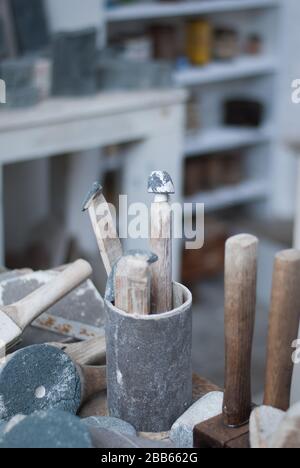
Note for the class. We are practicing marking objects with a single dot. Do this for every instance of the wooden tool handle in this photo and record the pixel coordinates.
(283, 328)
(93, 381)
(109, 244)
(28, 309)
(133, 286)
(161, 245)
(240, 302)
(91, 352)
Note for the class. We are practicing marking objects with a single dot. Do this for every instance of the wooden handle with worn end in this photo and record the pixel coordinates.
(109, 244)
(87, 353)
(240, 303)
(161, 245)
(283, 328)
(133, 285)
(93, 381)
(28, 309)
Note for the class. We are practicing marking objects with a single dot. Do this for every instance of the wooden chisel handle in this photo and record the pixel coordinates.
(240, 303)
(28, 309)
(283, 328)
(93, 381)
(91, 352)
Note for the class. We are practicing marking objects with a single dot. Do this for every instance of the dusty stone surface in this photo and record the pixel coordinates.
(264, 422)
(112, 424)
(287, 435)
(52, 429)
(103, 438)
(206, 408)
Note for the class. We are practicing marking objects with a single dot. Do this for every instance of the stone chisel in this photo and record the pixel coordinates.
(104, 227)
(283, 329)
(161, 185)
(231, 428)
(16, 317)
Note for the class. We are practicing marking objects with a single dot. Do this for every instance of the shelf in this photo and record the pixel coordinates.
(187, 8)
(226, 197)
(225, 139)
(243, 67)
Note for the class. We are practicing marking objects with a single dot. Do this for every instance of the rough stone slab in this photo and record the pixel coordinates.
(206, 408)
(84, 304)
(111, 424)
(264, 422)
(287, 435)
(52, 429)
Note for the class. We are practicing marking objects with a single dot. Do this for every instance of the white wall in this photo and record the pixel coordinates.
(284, 173)
(69, 15)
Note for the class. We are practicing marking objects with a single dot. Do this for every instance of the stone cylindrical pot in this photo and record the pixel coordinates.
(149, 368)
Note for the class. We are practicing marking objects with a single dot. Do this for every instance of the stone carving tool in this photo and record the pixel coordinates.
(283, 329)
(161, 185)
(16, 317)
(42, 377)
(133, 285)
(231, 429)
(104, 228)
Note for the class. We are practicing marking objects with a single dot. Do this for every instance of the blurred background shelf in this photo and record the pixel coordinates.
(240, 68)
(245, 192)
(224, 139)
(165, 10)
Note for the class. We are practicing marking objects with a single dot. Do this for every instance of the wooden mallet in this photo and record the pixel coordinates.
(42, 377)
(104, 227)
(231, 429)
(283, 329)
(16, 317)
(161, 185)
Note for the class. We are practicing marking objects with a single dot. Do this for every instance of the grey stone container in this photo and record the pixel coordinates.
(149, 365)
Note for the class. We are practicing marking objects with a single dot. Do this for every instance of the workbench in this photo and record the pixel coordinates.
(151, 124)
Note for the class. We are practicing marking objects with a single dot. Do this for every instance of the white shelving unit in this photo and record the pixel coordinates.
(253, 75)
(226, 197)
(241, 68)
(225, 139)
(159, 10)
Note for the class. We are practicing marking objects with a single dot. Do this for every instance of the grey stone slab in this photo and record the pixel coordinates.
(112, 424)
(52, 429)
(206, 408)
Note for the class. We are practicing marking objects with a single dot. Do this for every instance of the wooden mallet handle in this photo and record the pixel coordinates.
(28, 309)
(283, 328)
(240, 303)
